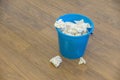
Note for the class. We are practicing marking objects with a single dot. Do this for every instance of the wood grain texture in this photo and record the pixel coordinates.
(28, 40)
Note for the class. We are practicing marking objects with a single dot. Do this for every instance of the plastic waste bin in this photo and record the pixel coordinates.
(73, 47)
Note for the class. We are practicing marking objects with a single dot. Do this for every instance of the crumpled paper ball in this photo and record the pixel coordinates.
(56, 61)
(82, 61)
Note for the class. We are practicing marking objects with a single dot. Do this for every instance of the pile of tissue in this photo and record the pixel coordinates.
(77, 28)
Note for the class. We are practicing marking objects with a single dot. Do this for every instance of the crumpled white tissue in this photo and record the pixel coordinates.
(56, 61)
(82, 61)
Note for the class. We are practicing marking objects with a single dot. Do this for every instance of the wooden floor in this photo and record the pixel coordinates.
(28, 40)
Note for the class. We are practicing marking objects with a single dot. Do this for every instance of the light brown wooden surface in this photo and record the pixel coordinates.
(28, 40)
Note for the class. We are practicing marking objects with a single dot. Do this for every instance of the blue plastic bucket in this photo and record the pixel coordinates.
(73, 47)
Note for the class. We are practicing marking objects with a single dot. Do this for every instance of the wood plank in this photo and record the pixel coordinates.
(28, 40)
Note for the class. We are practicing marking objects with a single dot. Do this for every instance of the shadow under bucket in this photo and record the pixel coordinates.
(73, 47)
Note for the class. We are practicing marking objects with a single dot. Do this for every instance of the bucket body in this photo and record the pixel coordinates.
(73, 47)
